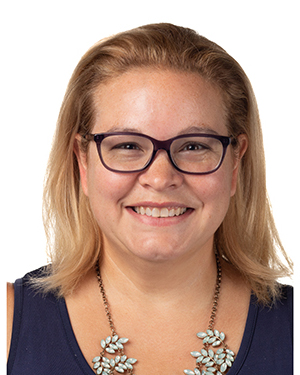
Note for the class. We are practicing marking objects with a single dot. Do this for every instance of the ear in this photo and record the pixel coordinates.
(82, 163)
(238, 154)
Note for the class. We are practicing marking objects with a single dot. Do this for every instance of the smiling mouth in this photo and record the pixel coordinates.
(160, 212)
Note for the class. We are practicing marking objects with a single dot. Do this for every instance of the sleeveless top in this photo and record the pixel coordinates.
(44, 343)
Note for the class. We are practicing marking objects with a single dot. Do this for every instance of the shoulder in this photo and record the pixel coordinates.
(15, 299)
(10, 313)
(287, 293)
(284, 303)
(267, 346)
(32, 315)
(277, 320)
(30, 290)
(286, 296)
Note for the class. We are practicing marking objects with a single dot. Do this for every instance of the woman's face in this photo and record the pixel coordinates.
(161, 104)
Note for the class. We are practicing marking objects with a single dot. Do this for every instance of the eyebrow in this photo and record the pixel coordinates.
(120, 129)
(188, 130)
(198, 129)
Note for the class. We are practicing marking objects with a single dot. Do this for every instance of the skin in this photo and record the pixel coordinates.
(10, 313)
(158, 271)
(162, 105)
(158, 267)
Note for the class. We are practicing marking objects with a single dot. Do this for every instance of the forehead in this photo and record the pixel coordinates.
(158, 101)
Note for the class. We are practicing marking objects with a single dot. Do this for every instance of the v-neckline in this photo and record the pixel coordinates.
(234, 370)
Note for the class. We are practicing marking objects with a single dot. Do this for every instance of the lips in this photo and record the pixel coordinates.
(160, 212)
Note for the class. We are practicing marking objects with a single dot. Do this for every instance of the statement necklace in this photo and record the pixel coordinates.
(208, 362)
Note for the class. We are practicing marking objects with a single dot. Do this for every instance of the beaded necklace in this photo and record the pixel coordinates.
(208, 362)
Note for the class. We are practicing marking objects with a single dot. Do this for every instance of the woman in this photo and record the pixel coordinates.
(163, 257)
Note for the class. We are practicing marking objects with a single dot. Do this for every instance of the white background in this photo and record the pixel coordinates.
(42, 41)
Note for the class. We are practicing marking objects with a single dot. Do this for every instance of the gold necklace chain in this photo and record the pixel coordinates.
(207, 361)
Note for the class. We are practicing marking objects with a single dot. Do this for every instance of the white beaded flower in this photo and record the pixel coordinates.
(121, 364)
(207, 361)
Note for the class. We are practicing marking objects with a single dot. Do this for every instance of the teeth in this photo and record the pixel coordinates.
(157, 212)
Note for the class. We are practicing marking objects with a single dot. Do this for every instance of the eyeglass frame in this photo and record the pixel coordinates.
(160, 145)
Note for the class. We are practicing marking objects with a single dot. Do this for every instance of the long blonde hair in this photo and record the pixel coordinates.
(247, 237)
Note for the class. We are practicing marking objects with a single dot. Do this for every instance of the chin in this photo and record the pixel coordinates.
(159, 253)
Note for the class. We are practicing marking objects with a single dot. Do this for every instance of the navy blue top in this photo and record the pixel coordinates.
(43, 342)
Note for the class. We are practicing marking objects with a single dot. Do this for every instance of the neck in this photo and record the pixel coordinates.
(165, 282)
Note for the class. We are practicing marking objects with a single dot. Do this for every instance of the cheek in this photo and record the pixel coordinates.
(107, 191)
(214, 191)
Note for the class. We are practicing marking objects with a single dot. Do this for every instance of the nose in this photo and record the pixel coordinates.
(161, 174)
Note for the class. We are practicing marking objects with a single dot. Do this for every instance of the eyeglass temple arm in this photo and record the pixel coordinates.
(88, 136)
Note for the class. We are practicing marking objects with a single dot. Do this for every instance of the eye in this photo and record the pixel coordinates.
(194, 146)
(127, 146)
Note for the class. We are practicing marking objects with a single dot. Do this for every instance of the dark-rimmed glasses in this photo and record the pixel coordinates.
(128, 152)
